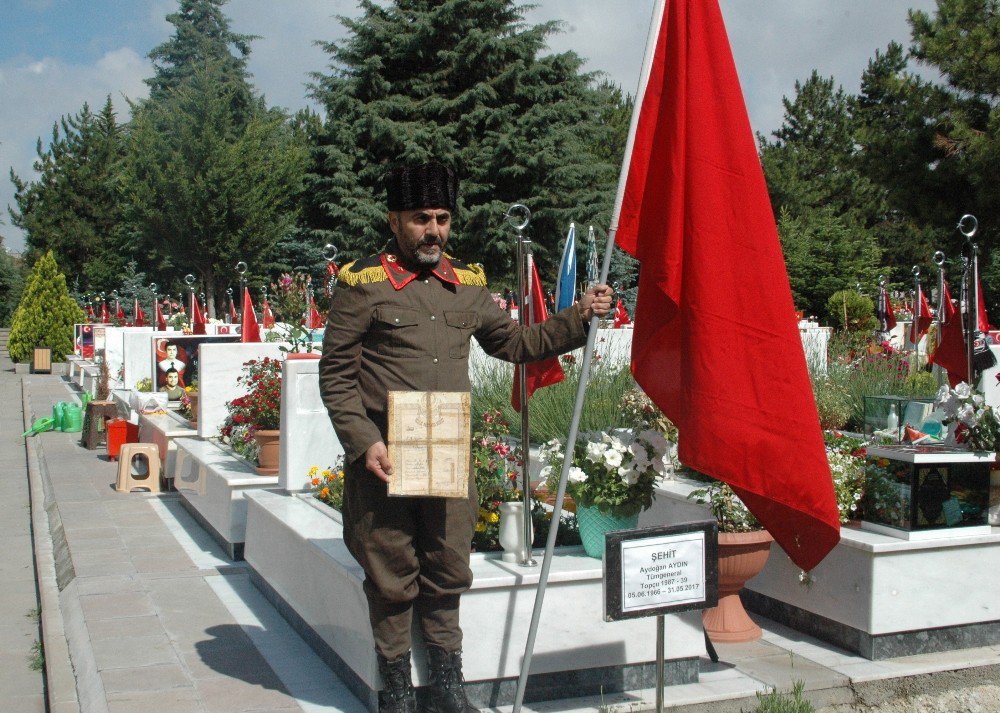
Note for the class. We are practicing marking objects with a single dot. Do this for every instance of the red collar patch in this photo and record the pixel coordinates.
(400, 277)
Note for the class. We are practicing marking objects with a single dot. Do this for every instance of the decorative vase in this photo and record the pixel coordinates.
(193, 398)
(594, 524)
(742, 556)
(511, 534)
(267, 457)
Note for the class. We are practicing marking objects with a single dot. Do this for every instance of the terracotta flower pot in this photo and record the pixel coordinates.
(742, 555)
(268, 455)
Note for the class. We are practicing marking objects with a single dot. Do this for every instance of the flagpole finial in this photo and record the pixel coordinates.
(330, 252)
(939, 258)
(153, 287)
(241, 268)
(968, 225)
(518, 216)
(881, 281)
(916, 271)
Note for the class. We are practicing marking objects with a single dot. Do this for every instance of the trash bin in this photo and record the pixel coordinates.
(41, 362)
(120, 432)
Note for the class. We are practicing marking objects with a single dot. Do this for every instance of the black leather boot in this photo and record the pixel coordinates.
(397, 694)
(445, 694)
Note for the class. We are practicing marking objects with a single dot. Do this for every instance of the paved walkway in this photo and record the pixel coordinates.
(141, 610)
(21, 678)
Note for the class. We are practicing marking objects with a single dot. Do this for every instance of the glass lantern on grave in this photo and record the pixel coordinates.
(919, 488)
(888, 417)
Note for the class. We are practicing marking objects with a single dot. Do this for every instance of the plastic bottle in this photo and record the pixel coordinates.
(57, 416)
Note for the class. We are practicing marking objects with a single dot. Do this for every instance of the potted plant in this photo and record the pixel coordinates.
(189, 402)
(495, 464)
(744, 546)
(328, 485)
(256, 415)
(612, 478)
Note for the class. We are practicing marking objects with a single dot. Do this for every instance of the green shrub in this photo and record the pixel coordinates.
(45, 315)
(853, 311)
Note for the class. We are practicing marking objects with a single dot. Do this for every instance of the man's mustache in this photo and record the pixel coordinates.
(430, 241)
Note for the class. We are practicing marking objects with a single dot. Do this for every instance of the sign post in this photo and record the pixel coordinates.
(659, 570)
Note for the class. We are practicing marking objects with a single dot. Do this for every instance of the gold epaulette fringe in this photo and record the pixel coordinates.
(368, 276)
(471, 275)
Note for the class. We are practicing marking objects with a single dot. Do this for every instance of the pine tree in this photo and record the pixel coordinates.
(208, 188)
(11, 285)
(463, 83)
(73, 208)
(45, 315)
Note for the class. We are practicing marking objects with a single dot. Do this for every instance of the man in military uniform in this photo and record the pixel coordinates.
(401, 320)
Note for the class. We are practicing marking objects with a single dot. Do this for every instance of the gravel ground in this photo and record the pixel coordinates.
(975, 699)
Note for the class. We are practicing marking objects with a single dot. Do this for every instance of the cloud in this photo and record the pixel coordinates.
(38, 91)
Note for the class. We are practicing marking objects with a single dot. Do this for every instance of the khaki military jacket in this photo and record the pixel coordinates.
(390, 329)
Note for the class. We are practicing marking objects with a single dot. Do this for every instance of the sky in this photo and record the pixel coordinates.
(57, 54)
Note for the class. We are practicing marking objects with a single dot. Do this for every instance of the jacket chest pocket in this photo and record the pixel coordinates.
(461, 325)
(397, 332)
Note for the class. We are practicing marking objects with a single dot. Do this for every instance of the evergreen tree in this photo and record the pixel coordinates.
(461, 82)
(206, 187)
(201, 37)
(45, 315)
(73, 207)
(11, 285)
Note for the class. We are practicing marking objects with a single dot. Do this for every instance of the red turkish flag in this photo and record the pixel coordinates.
(884, 311)
(105, 315)
(538, 373)
(922, 317)
(90, 313)
(119, 312)
(233, 317)
(139, 315)
(250, 330)
(693, 208)
(950, 354)
(161, 322)
(316, 320)
(197, 318)
(267, 316)
(621, 315)
(983, 318)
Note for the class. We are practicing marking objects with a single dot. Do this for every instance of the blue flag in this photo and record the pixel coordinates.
(566, 284)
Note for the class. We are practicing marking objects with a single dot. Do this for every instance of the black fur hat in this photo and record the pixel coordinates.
(425, 185)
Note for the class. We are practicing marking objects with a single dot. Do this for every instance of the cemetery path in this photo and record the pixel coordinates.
(21, 677)
(152, 615)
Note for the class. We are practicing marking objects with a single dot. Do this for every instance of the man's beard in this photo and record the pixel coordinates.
(428, 259)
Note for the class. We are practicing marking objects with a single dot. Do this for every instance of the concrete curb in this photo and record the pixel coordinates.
(60, 681)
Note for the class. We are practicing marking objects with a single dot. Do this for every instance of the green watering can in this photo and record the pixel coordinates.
(57, 415)
(72, 419)
(40, 425)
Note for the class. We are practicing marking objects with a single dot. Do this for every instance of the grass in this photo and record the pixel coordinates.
(36, 659)
(552, 407)
(775, 701)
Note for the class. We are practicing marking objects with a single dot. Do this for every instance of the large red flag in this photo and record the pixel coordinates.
(694, 210)
(543, 373)
(950, 353)
(119, 312)
(267, 316)
(105, 315)
(922, 317)
(197, 317)
(139, 316)
(250, 330)
(884, 310)
(161, 322)
(90, 313)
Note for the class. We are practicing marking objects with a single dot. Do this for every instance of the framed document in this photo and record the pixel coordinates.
(429, 434)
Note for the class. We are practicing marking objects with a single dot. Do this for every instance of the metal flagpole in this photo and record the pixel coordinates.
(588, 352)
(967, 226)
(518, 216)
(914, 324)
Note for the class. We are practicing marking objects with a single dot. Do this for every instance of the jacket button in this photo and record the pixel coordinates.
(397, 320)
(435, 360)
(433, 318)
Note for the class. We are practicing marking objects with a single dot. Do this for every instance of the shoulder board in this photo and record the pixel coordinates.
(469, 274)
(365, 271)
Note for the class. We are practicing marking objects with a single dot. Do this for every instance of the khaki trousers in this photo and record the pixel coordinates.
(415, 554)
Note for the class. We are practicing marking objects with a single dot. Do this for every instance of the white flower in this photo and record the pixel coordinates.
(613, 458)
(967, 414)
(576, 475)
(546, 472)
(655, 439)
(963, 391)
(640, 456)
(595, 451)
(629, 476)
